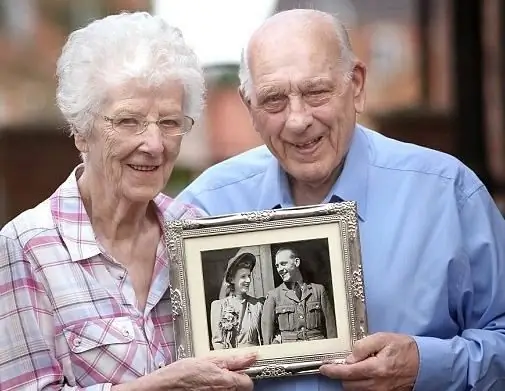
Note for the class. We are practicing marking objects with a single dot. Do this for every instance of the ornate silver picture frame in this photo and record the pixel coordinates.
(285, 283)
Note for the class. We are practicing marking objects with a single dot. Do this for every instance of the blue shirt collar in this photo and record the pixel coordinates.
(351, 185)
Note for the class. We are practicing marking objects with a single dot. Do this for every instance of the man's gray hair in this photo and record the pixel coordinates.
(116, 49)
(347, 56)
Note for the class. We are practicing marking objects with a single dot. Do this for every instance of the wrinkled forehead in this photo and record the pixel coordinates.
(284, 256)
(135, 95)
(294, 61)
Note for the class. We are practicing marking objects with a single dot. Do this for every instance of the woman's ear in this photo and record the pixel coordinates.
(81, 143)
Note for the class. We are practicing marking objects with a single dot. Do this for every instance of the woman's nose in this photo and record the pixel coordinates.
(153, 140)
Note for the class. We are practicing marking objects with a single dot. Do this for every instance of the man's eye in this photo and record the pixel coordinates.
(274, 103)
(316, 92)
(317, 97)
(273, 99)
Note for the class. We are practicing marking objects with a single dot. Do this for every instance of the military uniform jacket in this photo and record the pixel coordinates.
(291, 319)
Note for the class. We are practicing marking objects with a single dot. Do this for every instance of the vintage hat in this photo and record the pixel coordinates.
(242, 259)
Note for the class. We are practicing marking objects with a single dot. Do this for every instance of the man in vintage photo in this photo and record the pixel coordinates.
(431, 236)
(296, 310)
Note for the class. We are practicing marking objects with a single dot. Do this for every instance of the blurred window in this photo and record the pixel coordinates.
(17, 19)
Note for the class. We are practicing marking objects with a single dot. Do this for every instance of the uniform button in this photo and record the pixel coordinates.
(77, 342)
(126, 333)
(301, 316)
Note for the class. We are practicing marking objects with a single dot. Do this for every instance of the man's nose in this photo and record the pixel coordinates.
(299, 116)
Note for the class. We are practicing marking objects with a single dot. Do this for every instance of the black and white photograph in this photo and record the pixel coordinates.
(285, 284)
(269, 294)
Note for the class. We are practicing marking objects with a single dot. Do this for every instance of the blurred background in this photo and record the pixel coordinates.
(436, 77)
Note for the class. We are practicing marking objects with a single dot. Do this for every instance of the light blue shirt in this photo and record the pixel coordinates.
(433, 252)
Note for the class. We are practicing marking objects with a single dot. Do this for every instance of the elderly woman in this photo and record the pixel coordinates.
(236, 316)
(84, 275)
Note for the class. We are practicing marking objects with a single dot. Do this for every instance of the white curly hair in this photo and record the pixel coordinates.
(116, 49)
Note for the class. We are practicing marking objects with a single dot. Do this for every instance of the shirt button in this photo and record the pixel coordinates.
(161, 364)
(126, 333)
(120, 276)
(77, 342)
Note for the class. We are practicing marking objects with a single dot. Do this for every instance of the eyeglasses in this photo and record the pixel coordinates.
(134, 125)
(311, 97)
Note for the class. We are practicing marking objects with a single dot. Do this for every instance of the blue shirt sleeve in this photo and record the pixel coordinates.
(475, 359)
(187, 197)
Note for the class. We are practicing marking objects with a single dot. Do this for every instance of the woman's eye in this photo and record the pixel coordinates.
(127, 121)
(169, 123)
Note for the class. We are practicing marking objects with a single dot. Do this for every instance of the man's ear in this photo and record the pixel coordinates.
(358, 82)
(246, 101)
(297, 262)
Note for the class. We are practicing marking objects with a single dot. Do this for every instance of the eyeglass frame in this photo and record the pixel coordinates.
(145, 123)
(347, 77)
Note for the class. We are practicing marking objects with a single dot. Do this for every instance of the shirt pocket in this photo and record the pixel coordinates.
(314, 315)
(98, 347)
(285, 317)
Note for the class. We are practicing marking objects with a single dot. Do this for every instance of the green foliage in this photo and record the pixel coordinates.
(180, 178)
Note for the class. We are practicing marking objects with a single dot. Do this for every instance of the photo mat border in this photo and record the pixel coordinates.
(343, 213)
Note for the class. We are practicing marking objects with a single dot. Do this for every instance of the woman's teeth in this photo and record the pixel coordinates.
(143, 168)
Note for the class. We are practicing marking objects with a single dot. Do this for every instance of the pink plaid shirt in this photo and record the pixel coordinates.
(68, 319)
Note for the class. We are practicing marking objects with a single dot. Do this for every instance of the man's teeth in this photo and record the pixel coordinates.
(308, 144)
(143, 168)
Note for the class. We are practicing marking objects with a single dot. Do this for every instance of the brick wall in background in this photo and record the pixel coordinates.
(494, 92)
(34, 160)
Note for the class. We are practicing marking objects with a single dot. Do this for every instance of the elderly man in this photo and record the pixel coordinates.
(433, 240)
(296, 310)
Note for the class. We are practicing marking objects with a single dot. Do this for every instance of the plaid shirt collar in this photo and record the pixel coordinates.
(73, 222)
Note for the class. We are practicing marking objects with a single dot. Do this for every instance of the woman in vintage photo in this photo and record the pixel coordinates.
(236, 317)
